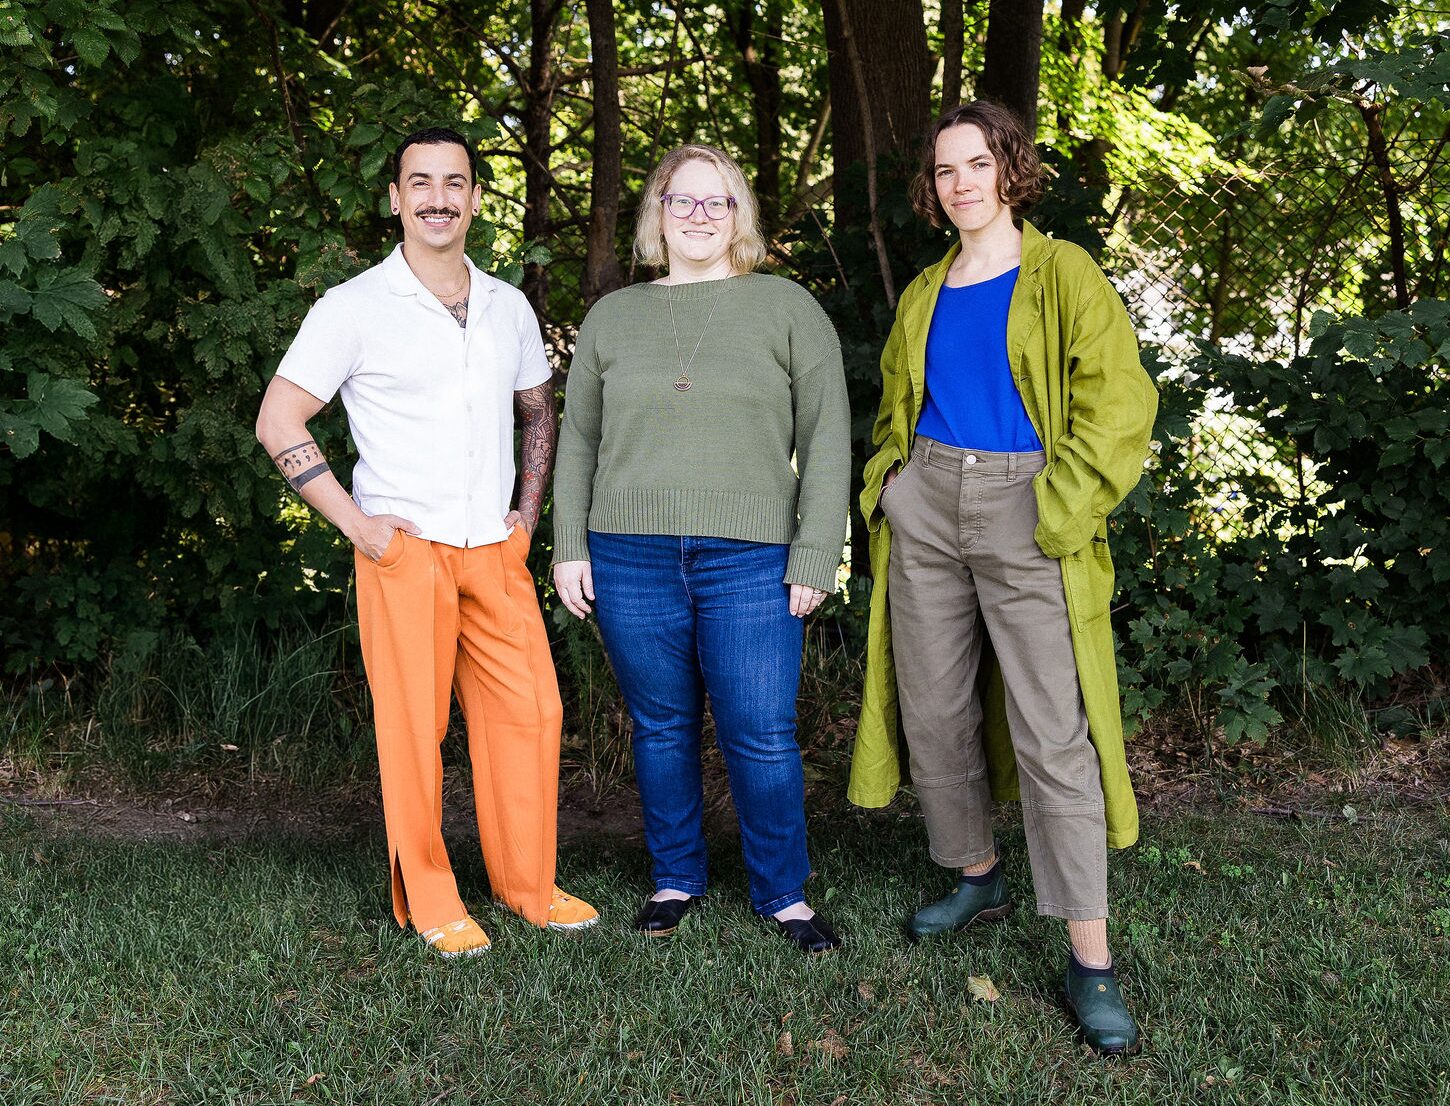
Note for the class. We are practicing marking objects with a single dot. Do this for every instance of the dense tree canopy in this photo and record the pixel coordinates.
(180, 179)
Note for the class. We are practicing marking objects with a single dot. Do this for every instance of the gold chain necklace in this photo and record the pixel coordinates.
(683, 382)
(444, 297)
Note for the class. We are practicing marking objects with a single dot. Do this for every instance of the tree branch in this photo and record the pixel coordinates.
(1380, 154)
(859, 80)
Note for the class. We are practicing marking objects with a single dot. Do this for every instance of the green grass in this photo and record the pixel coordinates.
(1269, 962)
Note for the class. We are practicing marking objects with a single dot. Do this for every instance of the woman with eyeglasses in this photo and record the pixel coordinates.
(680, 516)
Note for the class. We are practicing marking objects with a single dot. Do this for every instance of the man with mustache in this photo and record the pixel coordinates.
(432, 358)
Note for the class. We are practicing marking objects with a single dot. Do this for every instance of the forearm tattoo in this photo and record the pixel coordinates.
(536, 415)
(458, 310)
(301, 463)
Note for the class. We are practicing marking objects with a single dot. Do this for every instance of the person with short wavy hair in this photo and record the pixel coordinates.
(1015, 416)
(700, 507)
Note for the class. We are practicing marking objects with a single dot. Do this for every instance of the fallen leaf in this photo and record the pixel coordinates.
(839, 1100)
(981, 988)
(785, 1044)
(230, 748)
(1195, 865)
(315, 1077)
(832, 1045)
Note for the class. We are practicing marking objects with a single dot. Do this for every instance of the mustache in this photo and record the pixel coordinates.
(453, 211)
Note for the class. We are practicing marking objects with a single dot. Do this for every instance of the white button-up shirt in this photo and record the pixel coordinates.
(429, 403)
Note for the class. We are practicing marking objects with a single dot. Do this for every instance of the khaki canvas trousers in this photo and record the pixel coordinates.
(963, 559)
(436, 620)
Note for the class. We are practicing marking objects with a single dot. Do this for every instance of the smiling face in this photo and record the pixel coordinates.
(966, 177)
(433, 195)
(698, 243)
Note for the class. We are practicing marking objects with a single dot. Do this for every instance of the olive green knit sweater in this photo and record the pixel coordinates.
(637, 455)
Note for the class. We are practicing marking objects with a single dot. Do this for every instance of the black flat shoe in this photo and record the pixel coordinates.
(661, 917)
(810, 935)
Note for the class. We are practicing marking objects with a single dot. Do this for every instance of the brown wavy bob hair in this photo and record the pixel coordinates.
(1019, 169)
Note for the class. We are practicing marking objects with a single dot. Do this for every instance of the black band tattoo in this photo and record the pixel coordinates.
(301, 463)
(311, 474)
(458, 310)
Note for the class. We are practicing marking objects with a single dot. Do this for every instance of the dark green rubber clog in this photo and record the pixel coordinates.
(968, 903)
(1098, 1006)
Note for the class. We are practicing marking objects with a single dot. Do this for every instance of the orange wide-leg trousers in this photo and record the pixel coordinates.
(434, 618)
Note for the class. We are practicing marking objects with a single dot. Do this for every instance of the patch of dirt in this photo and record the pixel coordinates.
(1170, 774)
(200, 808)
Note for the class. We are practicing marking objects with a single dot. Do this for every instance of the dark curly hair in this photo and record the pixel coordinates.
(1019, 169)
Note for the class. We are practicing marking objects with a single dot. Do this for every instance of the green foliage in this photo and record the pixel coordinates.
(1343, 577)
(182, 179)
(171, 228)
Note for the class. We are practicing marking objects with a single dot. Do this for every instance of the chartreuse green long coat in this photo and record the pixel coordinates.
(1075, 360)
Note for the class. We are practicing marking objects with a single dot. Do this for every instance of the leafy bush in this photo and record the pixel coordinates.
(1342, 578)
(172, 228)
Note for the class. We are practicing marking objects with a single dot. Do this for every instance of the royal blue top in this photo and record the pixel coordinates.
(971, 399)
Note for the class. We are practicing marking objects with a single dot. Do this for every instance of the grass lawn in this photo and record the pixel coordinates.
(1269, 962)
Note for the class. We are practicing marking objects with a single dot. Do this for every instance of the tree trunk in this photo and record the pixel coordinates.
(891, 49)
(953, 43)
(1011, 69)
(891, 39)
(538, 180)
(602, 273)
(760, 57)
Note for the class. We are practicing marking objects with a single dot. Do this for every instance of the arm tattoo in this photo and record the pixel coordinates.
(458, 310)
(301, 463)
(535, 410)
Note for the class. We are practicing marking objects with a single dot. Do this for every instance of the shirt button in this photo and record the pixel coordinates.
(971, 458)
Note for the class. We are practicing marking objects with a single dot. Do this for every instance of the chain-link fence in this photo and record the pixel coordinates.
(1244, 259)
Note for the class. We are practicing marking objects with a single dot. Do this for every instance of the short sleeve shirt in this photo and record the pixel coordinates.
(429, 403)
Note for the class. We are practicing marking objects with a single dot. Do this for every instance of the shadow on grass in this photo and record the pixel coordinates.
(1268, 961)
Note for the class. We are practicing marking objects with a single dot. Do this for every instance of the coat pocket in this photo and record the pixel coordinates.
(1090, 582)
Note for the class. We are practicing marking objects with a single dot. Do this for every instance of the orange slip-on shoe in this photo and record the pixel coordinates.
(464, 937)
(567, 912)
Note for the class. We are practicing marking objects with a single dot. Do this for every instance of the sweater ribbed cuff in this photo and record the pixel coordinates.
(571, 543)
(816, 568)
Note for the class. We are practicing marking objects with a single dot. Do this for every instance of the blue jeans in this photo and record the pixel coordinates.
(683, 618)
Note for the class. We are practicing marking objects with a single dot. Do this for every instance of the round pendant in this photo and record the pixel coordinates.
(683, 384)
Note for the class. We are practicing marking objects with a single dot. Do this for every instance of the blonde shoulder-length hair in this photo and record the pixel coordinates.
(747, 247)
